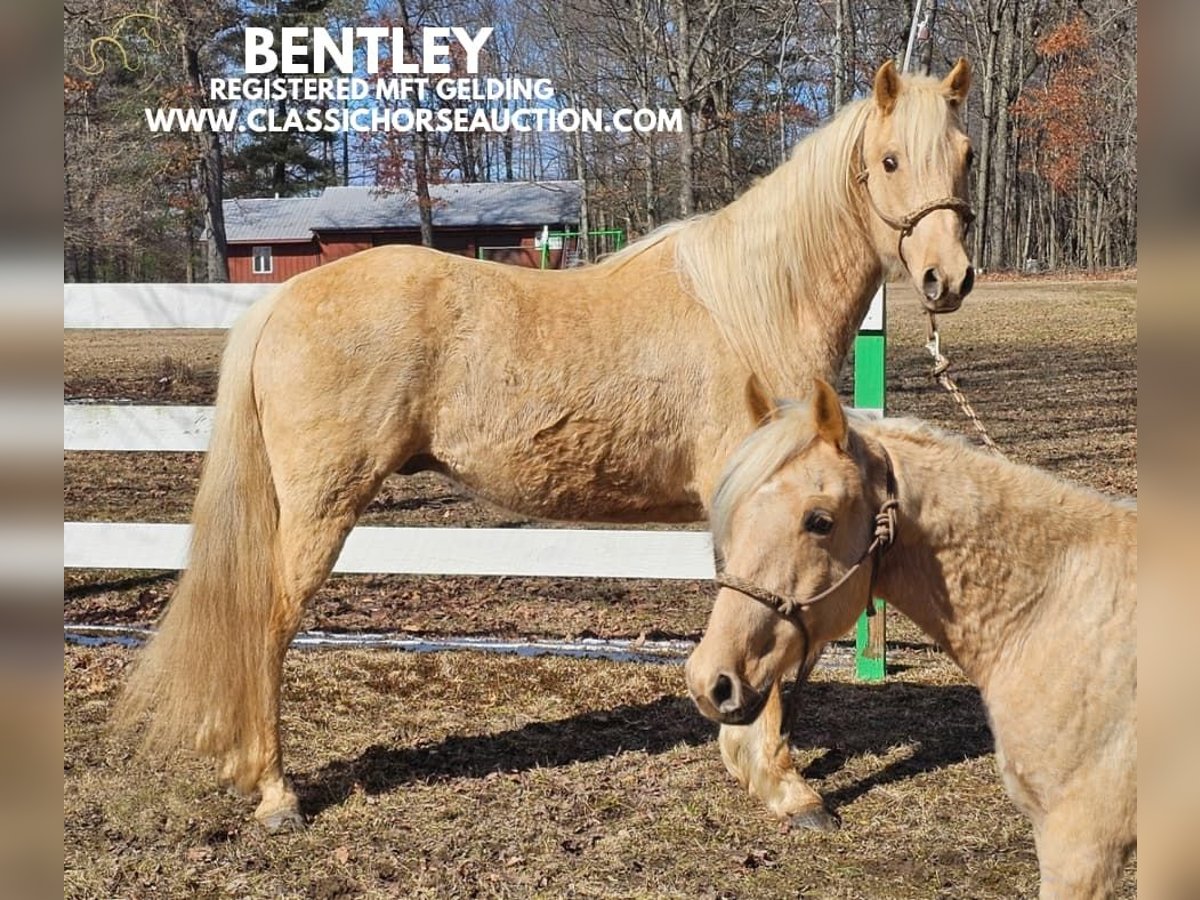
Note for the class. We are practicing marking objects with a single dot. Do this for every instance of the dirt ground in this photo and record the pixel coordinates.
(461, 774)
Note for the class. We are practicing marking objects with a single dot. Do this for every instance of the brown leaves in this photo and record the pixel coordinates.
(1072, 36)
(1064, 118)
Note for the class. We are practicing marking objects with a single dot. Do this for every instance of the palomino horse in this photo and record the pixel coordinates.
(608, 393)
(1028, 582)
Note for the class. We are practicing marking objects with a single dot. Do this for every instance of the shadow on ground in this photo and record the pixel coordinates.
(945, 724)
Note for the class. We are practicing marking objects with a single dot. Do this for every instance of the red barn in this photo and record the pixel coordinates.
(273, 239)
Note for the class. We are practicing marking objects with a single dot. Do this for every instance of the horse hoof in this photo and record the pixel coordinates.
(283, 821)
(817, 819)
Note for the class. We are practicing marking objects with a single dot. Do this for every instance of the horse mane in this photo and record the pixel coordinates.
(648, 241)
(767, 450)
(771, 447)
(753, 264)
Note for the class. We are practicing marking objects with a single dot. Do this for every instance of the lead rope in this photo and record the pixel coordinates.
(940, 370)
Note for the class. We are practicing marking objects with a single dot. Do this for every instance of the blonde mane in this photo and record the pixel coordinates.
(767, 450)
(753, 264)
(771, 447)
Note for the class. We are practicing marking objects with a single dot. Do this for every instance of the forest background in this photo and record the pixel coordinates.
(1052, 115)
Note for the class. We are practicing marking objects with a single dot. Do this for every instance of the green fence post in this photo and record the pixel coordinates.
(870, 393)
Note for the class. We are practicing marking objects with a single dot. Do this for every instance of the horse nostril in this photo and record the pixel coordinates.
(968, 282)
(931, 284)
(722, 690)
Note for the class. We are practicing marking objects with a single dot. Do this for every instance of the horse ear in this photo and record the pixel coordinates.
(762, 409)
(829, 417)
(958, 82)
(887, 87)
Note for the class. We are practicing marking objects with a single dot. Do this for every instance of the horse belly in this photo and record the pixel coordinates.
(576, 468)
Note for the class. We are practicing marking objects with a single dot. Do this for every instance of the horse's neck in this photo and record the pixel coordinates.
(977, 544)
(788, 245)
(830, 309)
(831, 289)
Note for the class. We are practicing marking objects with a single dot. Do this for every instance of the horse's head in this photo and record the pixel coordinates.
(791, 518)
(912, 168)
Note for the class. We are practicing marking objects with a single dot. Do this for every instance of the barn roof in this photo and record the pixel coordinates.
(275, 219)
(370, 209)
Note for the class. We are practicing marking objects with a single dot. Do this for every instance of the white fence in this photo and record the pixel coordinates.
(157, 305)
(555, 552)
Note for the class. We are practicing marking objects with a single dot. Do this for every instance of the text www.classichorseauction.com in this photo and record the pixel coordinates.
(369, 96)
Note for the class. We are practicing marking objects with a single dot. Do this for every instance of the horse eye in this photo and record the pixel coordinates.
(818, 522)
(890, 164)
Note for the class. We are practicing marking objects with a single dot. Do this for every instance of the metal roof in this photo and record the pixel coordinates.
(367, 208)
(276, 219)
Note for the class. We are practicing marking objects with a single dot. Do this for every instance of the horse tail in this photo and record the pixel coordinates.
(200, 679)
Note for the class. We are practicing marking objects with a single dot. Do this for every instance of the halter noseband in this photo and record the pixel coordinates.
(884, 536)
(791, 607)
(906, 223)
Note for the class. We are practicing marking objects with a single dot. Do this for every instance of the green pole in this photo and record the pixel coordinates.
(870, 390)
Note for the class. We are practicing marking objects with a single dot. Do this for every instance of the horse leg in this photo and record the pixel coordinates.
(759, 757)
(1079, 854)
(317, 510)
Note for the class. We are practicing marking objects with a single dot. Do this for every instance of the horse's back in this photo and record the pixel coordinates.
(388, 283)
(399, 303)
(573, 394)
(374, 285)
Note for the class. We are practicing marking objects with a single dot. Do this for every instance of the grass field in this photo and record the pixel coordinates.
(460, 774)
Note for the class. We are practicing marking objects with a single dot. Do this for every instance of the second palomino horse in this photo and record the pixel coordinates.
(1028, 582)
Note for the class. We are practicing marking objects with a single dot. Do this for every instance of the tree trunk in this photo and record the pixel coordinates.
(585, 246)
(840, 94)
(983, 179)
(279, 167)
(583, 243)
(210, 176)
(649, 161)
(687, 177)
(421, 142)
(345, 159)
(683, 89)
(998, 220)
(926, 57)
(723, 111)
(421, 176)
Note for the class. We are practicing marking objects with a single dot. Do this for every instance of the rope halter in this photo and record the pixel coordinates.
(884, 535)
(907, 222)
